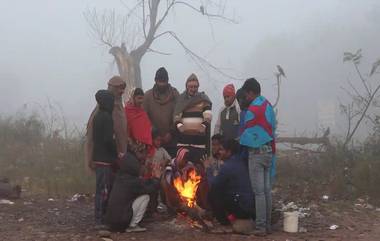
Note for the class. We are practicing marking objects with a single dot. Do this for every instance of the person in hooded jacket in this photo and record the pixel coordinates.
(104, 151)
(130, 194)
(116, 86)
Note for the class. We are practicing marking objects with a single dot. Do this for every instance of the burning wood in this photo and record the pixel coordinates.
(187, 189)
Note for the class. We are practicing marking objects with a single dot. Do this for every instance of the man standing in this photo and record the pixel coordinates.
(258, 135)
(229, 115)
(104, 152)
(159, 103)
(192, 116)
(116, 86)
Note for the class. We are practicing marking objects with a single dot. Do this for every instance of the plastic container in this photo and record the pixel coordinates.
(291, 222)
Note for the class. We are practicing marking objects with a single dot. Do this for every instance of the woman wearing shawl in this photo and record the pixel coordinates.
(139, 125)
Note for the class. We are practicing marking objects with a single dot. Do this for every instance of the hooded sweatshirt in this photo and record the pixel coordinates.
(126, 188)
(119, 122)
(104, 150)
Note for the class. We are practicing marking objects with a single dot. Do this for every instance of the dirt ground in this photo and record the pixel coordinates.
(38, 218)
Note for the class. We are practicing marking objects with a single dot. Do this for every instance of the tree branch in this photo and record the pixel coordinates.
(198, 59)
(363, 114)
(205, 13)
(362, 79)
(157, 52)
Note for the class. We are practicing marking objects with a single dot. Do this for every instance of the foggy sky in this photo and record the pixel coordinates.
(46, 52)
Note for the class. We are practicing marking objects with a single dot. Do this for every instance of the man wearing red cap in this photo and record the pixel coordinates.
(229, 115)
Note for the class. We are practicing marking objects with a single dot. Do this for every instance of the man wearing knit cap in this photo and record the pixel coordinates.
(229, 115)
(192, 116)
(159, 103)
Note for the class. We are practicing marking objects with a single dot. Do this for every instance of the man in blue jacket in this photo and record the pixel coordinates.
(259, 137)
(231, 195)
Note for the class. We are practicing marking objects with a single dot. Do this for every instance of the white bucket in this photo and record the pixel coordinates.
(291, 222)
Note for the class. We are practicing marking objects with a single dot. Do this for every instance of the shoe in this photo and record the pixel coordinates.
(259, 232)
(221, 229)
(135, 229)
(99, 227)
(161, 208)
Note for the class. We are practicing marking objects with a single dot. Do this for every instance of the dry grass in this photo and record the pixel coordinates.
(341, 174)
(42, 156)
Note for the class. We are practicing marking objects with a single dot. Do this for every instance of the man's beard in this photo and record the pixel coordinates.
(162, 89)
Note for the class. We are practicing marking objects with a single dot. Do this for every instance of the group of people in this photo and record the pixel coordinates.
(139, 147)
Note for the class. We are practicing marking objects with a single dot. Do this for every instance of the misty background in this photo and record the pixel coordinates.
(47, 53)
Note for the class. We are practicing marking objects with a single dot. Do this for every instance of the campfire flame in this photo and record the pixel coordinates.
(188, 189)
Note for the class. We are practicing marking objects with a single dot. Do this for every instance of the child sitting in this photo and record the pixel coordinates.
(157, 162)
(153, 169)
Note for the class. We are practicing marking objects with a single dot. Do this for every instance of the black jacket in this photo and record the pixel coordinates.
(103, 134)
(126, 188)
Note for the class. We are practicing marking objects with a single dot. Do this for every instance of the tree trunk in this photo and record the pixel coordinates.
(128, 67)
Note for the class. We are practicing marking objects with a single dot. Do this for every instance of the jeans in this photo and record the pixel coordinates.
(104, 181)
(259, 165)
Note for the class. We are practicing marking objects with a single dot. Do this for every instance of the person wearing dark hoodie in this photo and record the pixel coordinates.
(116, 85)
(231, 195)
(130, 194)
(104, 152)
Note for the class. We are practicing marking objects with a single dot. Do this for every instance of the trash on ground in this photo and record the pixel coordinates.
(5, 201)
(77, 197)
(302, 230)
(302, 212)
(334, 227)
(107, 239)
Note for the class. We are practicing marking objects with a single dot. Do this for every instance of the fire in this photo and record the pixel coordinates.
(188, 189)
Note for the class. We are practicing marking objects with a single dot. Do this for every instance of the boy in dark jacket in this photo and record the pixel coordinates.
(104, 151)
(130, 194)
(231, 194)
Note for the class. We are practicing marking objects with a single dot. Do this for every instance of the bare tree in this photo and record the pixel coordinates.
(143, 25)
(362, 98)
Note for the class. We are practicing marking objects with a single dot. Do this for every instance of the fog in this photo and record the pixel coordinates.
(46, 52)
